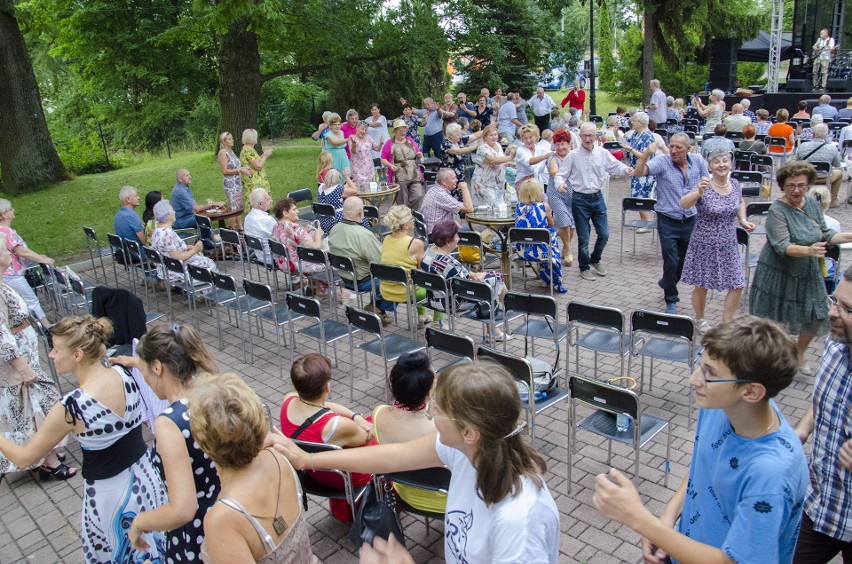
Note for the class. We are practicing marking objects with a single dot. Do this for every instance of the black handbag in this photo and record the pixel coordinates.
(376, 518)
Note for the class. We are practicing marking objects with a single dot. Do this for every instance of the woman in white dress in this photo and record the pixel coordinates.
(489, 173)
(377, 129)
(531, 156)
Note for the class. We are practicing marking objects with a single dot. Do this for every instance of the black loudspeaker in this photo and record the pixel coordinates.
(839, 85)
(723, 63)
(797, 85)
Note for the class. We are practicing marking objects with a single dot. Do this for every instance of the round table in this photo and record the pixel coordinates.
(382, 197)
(501, 226)
(221, 214)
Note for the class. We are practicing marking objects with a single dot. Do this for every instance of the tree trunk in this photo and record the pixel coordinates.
(648, 50)
(239, 82)
(28, 159)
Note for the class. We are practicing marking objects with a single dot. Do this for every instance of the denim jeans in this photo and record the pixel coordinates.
(674, 240)
(588, 208)
(433, 142)
(366, 286)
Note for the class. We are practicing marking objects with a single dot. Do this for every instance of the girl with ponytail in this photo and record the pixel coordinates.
(498, 507)
(104, 413)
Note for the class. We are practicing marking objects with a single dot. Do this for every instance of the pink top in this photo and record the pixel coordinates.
(386, 154)
(13, 240)
(348, 131)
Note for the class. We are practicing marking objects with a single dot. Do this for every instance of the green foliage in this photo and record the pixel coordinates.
(604, 48)
(287, 107)
(749, 73)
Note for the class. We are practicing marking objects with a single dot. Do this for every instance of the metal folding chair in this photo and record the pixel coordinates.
(523, 236)
(96, 251)
(645, 205)
(606, 333)
(460, 346)
(323, 330)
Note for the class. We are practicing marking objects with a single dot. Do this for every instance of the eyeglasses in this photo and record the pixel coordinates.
(431, 408)
(796, 186)
(705, 381)
(832, 301)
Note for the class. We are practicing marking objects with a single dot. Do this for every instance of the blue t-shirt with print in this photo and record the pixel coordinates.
(745, 495)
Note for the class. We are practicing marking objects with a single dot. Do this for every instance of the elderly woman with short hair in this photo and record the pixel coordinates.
(250, 159)
(807, 133)
(531, 156)
(454, 155)
(167, 242)
(636, 142)
(21, 255)
(713, 112)
(782, 129)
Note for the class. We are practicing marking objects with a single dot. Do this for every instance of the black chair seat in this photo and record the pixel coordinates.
(666, 349)
(311, 486)
(603, 423)
(333, 330)
(540, 328)
(603, 341)
(553, 396)
(395, 345)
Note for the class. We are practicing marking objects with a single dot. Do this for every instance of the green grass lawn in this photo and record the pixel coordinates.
(51, 220)
(604, 101)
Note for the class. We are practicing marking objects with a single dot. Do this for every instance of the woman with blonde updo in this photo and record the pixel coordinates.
(534, 213)
(104, 413)
(170, 356)
(257, 517)
(401, 248)
(255, 164)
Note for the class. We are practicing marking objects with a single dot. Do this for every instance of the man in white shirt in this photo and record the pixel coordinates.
(258, 222)
(657, 108)
(822, 51)
(507, 119)
(542, 105)
(737, 120)
(586, 169)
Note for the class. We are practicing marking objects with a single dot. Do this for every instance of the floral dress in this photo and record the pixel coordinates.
(455, 163)
(232, 183)
(640, 186)
(488, 180)
(291, 235)
(22, 401)
(413, 123)
(111, 504)
(484, 116)
(184, 543)
(713, 257)
(165, 240)
(362, 159)
(257, 180)
(534, 216)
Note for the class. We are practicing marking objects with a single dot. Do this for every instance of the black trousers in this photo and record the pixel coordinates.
(817, 548)
(542, 122)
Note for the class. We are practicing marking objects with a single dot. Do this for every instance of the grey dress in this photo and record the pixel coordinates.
(790, 290)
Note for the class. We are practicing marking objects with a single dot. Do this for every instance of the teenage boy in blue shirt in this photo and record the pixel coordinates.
(742, 500)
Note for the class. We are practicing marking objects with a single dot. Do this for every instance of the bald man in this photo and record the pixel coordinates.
(183, 202)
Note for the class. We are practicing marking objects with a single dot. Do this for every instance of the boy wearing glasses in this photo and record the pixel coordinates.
(742, 500)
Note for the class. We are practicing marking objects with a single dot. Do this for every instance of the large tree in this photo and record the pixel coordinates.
(28, 159)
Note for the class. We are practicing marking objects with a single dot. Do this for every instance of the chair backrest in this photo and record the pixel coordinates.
(173, 265)
(314, 256)
(734, 135)
(372, 212)
(434, 283)
(776, 142)
(134, 249)
(664, 133)
(342, 264)
(308, 307)
(612, 145)
(200, 273)
(747, 176)
(364, 320)
(450, 343)
(520, 368)
(254, 243)
(230, 237)
(662, 324)
(77, 286)
(430, 479)
(822, 167)
(603, 396)
(203, 221)
(154, 255)
(836, 125)
(689, 121)
(323, 210)
(757, 208)
(258, 291)
(278, 250)
(224, 282)
(116, 244)
(471, 290)
(302, 195)
(420, 230)
(59, 276)
(638, 204)
(691, 132)
(418, 216)
(471, 239)
(599, 316)
(522, 235)
(531, 304)
(388, 273)
(596, 119)
(760, 160)
(90, 234)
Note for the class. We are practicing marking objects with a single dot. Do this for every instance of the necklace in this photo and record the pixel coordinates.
(771, 423)
(278, 522)
(311, 404)
(719, 186)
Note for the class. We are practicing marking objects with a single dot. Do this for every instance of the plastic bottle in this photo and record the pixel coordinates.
(622, 423)
(503, 206)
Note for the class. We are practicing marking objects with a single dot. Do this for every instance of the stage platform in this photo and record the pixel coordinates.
(789, 100)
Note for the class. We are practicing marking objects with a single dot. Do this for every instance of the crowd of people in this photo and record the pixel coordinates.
(221, 483)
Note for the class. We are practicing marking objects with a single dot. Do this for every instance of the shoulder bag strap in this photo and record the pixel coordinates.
(309, 421)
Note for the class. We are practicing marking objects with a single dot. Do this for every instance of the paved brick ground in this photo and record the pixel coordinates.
(40, 522)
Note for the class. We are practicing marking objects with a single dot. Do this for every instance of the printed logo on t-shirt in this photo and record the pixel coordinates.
(763, 507)
(734, 462)
(458, 523)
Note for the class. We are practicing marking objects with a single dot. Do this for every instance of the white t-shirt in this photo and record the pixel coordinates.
(523, 528)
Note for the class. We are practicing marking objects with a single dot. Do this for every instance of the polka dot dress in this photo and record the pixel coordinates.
(184, 544)
(111, 504)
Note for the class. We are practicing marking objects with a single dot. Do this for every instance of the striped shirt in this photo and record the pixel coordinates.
(829, 499)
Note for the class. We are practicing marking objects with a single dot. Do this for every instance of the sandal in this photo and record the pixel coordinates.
(60, 472)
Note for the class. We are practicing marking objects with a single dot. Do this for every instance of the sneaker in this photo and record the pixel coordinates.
(499, 336)
(568, 260)
(702, 325)
(671, 308)
(587, 275)
(642, 230)
(598, 268)
(424, 320)
(834, 204)
(806, 369)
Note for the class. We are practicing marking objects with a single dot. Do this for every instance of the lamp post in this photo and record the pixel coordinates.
(592, 105)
